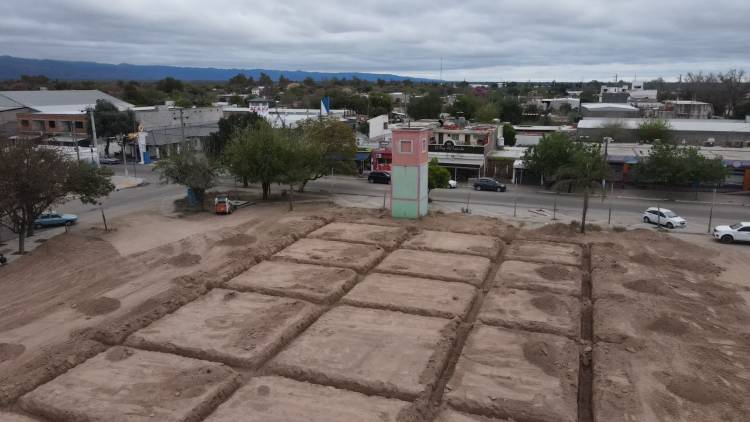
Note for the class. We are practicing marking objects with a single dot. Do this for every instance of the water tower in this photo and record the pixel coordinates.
(409, 172)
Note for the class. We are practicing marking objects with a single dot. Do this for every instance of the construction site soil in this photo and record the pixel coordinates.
(330, 314)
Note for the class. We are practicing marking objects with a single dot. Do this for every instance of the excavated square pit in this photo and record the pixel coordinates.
(561, 279)
(449, 415)
(387, 237)
(277, 399)
(134, 385)
(338, 254)
(14, 417)
(545, 252)
(438, 266)
(515, 374)
(455, 243)
(314, 283)
(375, 351)
(242, 329)
(532, 311)
(412, 295)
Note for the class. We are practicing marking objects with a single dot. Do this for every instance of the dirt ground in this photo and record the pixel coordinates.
(335, 314)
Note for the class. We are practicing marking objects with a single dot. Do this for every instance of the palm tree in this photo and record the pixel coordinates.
(586, 169)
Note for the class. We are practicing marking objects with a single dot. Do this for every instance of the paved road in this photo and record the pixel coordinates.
(531, 197)
(626, 210)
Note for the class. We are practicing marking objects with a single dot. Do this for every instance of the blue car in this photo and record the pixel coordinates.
(55, 219)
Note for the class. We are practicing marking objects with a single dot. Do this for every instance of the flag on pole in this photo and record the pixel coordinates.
(325, 106)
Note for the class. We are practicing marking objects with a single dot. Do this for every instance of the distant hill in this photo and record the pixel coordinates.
(14, 67)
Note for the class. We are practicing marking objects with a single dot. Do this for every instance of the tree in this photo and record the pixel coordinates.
(265, 80)
(553, 152)
(509, 135)
(239, 81)
(673, 165)
(614, 130)
(585, 169)
(487, 113)
(380, 103)
(237, 100)
(190, 169)
(169, 85)
(34, 178)
(218, 141)
(330, 146)
(111, 122)
(257, 154)
(426, 107)
(655, 129)
(510, 111)
(437, 176)
(466, 106)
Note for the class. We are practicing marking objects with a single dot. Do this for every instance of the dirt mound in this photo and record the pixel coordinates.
(10, 351)
(541, 354)
(669, 325)
(98, 306)
(240, 239)
(184, 260)
(554, 272)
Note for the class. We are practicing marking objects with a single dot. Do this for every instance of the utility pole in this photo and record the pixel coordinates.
(182, 126)
(73, 137)
(93, 137)
(711, 212)
(124, 157)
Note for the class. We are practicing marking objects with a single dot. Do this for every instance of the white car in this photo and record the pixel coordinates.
(663, 217)
(734, 233)
(452, 184)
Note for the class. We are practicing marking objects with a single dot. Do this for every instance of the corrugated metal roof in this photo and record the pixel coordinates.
(685, 125)
(614, 106)
(37, 99)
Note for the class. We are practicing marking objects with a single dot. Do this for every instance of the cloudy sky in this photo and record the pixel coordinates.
(493, 40)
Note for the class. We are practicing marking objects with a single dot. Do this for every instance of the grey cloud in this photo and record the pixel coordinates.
(476, 39)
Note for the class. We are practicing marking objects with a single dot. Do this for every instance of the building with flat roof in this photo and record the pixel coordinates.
(718, 132)
(54, 117)
(608, 110)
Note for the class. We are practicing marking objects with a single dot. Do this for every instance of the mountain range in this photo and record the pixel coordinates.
(14, 67)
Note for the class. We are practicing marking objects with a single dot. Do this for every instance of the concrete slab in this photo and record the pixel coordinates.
(532, 311)
(387, 237)
(523, 376)
(545, 252)
(338, 254)
(455, 243)
(242, 329)
(124, 384)
(561, 279)
(449, 415)
(277, 399)
(370, 350)
(314, 283)
(412, 295)
(14, 417)
(438, 266)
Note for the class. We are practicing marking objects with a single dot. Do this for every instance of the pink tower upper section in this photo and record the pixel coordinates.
(409, 146)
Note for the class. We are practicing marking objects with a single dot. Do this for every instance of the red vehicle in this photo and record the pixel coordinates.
(223, 205)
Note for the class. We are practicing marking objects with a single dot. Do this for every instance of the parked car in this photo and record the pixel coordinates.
(109, 160)
(664, 217)
(739, 232)
(223, 205)
(379, 177)
(486, 183)
(452, 184)
(55, 219)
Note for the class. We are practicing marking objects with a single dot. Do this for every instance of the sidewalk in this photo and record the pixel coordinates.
(737, 199)
(126, 182)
